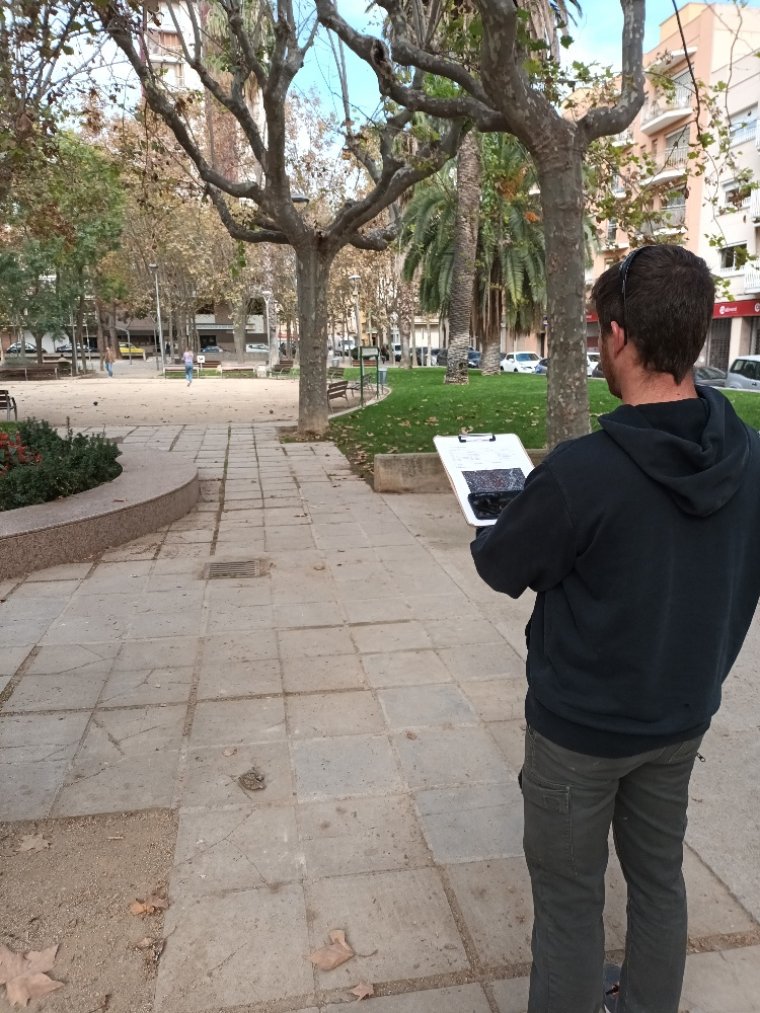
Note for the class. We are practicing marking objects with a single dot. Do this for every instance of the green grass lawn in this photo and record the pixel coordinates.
(421, 406)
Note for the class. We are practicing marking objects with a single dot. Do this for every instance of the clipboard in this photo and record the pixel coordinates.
(486, 471)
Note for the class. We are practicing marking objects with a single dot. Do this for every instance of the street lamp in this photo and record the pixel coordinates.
(266, 295)
(355, 279)
(154, 269)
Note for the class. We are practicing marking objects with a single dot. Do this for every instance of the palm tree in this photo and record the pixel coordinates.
(508, 264)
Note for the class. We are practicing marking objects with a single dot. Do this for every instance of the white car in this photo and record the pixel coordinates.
(257, 347)
(519, 362)
(592, 361)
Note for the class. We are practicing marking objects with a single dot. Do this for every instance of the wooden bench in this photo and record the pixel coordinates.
(282, 368)
(335, 372)
(47, 372)
(338, 388)
(9, 404)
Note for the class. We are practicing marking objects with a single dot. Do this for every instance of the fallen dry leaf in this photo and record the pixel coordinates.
(23, 974)
(411, 735)
(327, 958)
(363, 990)
(230, 751)
(30, 986)
(32, 842)
(149, 906)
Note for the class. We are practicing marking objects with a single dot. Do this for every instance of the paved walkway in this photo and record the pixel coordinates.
(360, 666)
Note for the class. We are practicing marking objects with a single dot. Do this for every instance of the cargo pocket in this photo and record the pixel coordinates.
(547, 837)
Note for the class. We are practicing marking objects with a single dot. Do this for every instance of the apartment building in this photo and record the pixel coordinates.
(715, 214)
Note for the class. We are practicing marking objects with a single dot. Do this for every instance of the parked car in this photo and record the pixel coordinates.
(257, 347)
(211, 350)
(473, 357)
(542, 367)
(744, 373)
(15, 348)
(592, 361)
(710, 376)
(519, 362)
(130, 351)
(597, 372)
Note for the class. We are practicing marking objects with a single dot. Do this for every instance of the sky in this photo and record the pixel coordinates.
(596, 35)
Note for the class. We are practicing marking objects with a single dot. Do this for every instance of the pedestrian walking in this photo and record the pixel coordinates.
(187, 358)
(108, 360)
(642, 541)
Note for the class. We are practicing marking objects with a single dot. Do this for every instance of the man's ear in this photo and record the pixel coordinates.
(617, 336)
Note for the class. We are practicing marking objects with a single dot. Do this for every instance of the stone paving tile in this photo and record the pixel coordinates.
(4, 680)
(402, 668)
(255, 677)
(495, 901)
(66, 571)
(512, 995)
(320, 715)
(401, 919)
(497, 699)
(457, 631)
(314, 642)
(301, 674)
(160, 652)
(72, 691)
(27, 790)
(407, 636)
(225, 648)
(238, 722)
(474, 823)
(442, 757)
(147, 686)
(73, 631)
(294, 615)
(235, 849)
(377, 610)
(358, 835)
(484, 661)
(510, 738)
(464, 999)
(727, 982)
(339, 767)
(419, 706)
(39, 738)
(208, 962)
(61, 589)
(441, 606)
(209, 778)
(12, 657)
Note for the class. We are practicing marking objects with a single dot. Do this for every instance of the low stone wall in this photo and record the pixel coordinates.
(153, 489)
(419, 472)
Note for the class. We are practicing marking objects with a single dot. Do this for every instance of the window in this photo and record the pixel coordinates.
(743, 126)
(611, 231)
(733, 258)
(736, 195)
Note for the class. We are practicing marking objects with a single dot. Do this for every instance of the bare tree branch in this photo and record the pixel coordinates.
(600, 121)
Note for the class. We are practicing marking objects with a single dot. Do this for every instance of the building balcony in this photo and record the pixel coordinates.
(667, 221)
(754, 206)
(752, 278)
(669, 166)
(665, 110)
(205, 318)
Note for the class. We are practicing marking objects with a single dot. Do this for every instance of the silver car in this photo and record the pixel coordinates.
(744, 373)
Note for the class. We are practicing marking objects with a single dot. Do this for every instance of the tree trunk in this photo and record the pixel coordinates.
(567, 411)
(406, 304)
(313, 276)
(240, 319)
(489, 363)
(465, 256)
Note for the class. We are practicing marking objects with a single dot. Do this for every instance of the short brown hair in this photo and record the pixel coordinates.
(668, 305)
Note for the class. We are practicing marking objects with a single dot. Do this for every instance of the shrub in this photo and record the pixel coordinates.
(37, 465)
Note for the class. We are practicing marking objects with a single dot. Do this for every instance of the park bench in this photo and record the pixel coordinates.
(16, 372)
(282, 368)
(338, 388)
(9, 404)
(335, 372)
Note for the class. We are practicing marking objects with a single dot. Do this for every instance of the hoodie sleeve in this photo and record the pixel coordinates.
(532, 544)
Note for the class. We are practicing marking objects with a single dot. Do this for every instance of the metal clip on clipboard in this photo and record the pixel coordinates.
(477, 437)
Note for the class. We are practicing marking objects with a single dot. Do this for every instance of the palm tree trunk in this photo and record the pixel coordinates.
(465, 258)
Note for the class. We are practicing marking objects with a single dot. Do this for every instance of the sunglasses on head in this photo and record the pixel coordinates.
(624, 269)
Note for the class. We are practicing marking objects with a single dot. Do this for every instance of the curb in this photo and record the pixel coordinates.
(420, 472)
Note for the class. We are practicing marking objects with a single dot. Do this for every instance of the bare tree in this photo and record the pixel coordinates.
(270, 49)
(504, 87)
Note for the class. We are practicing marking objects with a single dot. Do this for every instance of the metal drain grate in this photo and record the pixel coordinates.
(238, 569)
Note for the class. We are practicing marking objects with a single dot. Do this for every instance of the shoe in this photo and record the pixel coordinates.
(611, 987)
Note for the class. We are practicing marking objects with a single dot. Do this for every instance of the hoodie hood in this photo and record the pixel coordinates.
(695, 449)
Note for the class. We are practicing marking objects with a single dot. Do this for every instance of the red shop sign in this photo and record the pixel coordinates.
(737, 308)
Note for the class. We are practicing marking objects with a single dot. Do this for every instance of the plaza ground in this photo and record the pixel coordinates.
(353, 660)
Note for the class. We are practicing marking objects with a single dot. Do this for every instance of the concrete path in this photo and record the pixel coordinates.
(340, 644)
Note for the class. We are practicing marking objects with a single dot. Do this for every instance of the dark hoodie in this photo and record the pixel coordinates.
(643, 543)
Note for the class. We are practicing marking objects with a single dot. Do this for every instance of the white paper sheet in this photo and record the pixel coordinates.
(482, 462)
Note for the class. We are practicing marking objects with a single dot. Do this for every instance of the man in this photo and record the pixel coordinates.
(642, 541)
